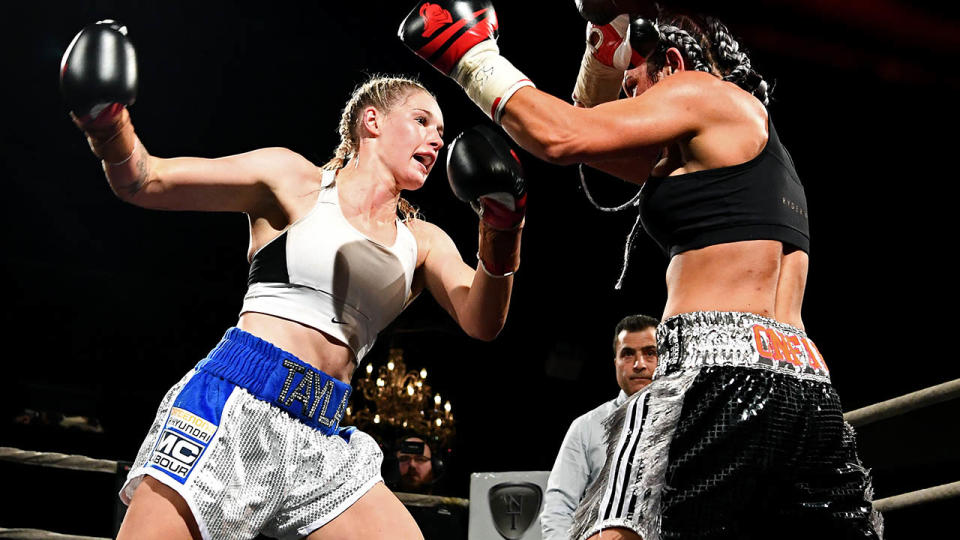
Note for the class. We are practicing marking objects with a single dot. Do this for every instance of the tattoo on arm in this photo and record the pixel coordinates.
(140, 179)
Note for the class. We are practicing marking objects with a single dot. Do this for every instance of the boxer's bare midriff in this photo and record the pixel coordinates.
(756, 276)
(308, 344)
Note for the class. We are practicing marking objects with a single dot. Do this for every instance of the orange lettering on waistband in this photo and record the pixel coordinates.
(814, 361)
(792, 351)
(778, 346)
(766, 347)
(815, 355)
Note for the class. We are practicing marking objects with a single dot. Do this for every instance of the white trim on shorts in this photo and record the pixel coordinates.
(341, 508)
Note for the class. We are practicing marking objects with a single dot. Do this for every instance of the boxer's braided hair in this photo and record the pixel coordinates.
(734, 63)
(384, 93)
(692, 49)
(708, 45)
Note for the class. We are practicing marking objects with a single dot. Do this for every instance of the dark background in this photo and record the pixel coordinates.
(107, 305)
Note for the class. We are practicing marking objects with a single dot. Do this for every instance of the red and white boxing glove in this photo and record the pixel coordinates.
(607, 56)
(459, 38)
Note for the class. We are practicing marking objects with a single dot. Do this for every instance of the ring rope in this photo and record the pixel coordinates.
(921, 496)
(416, 499)
(38, 534)
(887, 504)
(60, 461)
(84, 463)
(903, 404)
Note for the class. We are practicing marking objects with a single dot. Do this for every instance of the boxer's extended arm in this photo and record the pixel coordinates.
(98, 78)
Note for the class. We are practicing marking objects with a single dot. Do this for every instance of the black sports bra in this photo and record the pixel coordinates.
(761, 199)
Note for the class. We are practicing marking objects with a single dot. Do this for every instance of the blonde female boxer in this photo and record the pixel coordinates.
(249, 441)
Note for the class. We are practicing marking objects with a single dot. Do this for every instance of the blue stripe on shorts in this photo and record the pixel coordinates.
(192, 422)
(279, 378)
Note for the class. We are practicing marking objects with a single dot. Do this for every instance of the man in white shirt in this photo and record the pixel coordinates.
(583, 451)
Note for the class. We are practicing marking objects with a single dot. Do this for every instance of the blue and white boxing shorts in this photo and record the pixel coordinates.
(251, 440)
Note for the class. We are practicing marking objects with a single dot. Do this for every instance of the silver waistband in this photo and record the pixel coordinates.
(716, 338)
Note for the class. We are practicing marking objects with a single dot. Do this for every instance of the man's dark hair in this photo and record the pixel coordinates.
(633, 323)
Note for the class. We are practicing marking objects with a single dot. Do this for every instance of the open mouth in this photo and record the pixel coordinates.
(424, 159)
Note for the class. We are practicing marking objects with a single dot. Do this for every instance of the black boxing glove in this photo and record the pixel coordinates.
(644, 38)
(98, 79)
(485, 173)
(99, 70)
(601, 12)
(459, 38)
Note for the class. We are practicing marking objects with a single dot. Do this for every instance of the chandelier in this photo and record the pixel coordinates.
(389, 401)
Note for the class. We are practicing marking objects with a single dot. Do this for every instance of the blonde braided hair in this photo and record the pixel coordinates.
(384, 93)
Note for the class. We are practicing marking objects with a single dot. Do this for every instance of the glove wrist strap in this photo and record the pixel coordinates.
(114, 142)
(499, 251)
(596, 82)
(488, 78)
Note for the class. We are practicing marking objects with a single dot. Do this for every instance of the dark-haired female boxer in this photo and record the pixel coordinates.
(249, 441)
(741, 435)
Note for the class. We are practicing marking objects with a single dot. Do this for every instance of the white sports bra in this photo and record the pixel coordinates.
(324, 273)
